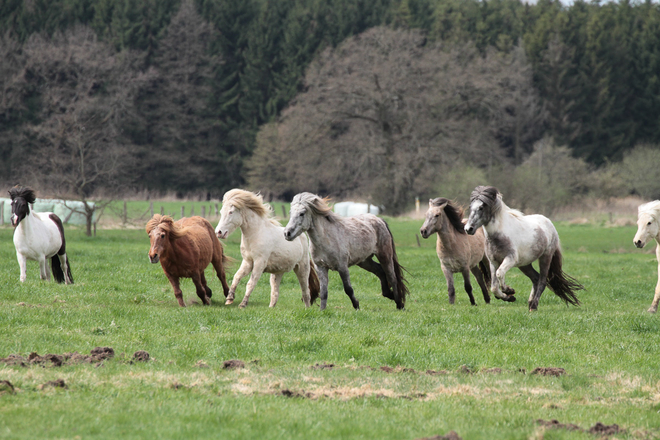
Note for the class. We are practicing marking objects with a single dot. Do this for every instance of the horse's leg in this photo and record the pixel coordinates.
(43, 268)
(257, 269)
(64, 264)
(371, 266)
(275, 280)
(322, 273)
(451, 290)
(174, 281)
(246, 267)
(656, 298)
(22, 264)
(207, 289)
(302, 270)
(219, 267)
(387, 263)
(544, 268)
(495, 284)
(346, 281)
(533, 275)
(482, 284)
(468, 286)
(199, 280)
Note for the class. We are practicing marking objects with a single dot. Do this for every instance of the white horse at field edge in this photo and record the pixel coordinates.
(264, 248)
(648, 216)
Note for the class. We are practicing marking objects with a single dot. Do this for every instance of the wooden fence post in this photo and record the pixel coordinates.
(125, 213)
(151, 208)
(192, 210)
(183, 211)
(284, 211)
(2, 213)
(217, 211)
(203, 211)
(162, 210)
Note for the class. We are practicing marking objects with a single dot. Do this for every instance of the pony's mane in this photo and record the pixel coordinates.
(317, 205)
(166, 223)
(492, 199)
(242, 199)
(651, 208)
(453, 212)
(23, 191)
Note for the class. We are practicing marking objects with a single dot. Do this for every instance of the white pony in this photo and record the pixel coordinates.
(264, 248)
(517, 240)
(38, 236)
(648, 215)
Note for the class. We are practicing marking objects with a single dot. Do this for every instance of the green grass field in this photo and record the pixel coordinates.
(609, 348)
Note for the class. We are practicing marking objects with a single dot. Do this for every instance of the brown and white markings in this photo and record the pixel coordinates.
(38, 236)
(458, 252)
(647, 230)
(184, 249)
(338, 243)
(517, 240)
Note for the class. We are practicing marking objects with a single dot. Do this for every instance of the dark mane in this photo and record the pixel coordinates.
(24, 192)
(453, 212)
(488, 195)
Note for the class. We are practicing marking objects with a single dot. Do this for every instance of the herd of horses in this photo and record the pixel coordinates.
(492, 240)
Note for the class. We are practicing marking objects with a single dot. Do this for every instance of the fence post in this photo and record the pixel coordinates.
(203, 211)
(284, 211)
(217, 211)
(94, 229)
(192, 210)
(162, 210)
(151, 208)
(125, 213)
(418, 243)
(183, 211)
(2, 213)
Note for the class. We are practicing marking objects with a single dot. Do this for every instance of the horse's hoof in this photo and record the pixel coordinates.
(652, 310)
(242, 306)
(510, 299)
(229, 301)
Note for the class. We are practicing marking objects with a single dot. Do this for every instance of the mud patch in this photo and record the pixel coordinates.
(600, 429)
(492, 371)
(465, 369)
(451, 435)
(555, 424)
(549, 371)
(140, 356)
(59, 383)
(98, 354)
(291, 393)
(233, 364)
(437, 373)
(6, 387)
(201, 364)
(323, 366)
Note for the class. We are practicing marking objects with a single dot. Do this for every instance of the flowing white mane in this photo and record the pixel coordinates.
(651, 208)
(242, 199)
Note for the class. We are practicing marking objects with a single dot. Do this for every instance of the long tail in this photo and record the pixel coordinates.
(485, 271)
(561, 283)
(401, 282)
(58, 273)
(314, 285)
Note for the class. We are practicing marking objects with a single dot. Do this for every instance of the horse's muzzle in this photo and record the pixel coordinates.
(154, 259)
(424, 233)
(639, 244)
(222, 235)
(470, 230)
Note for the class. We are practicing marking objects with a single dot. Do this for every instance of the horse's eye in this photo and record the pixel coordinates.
(437, 215)
(649, 223)
(302, 214)
(162, 235)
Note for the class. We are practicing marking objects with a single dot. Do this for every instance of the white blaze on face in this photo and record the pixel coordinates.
(647, 229)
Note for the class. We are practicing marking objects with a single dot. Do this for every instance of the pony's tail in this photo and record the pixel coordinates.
(58, 273)
(314, 285)
(401, 282)
(485, 271)
(561, 283)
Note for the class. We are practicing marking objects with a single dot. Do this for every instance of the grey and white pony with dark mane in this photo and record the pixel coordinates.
(458, 252)
(648, 228)
(38, 236)
(517, 240)
(338, 242)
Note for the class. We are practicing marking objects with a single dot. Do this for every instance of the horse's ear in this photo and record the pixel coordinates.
(430, 202)
(443, 206)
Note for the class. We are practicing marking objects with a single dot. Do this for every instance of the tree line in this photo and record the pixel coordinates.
(189, 96)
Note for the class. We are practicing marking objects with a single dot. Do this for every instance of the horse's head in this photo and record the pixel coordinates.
(300, 215)
(647, 223)
(484, 202)
(230, 219)
(433, 221)
(21, 197)
(159, 229)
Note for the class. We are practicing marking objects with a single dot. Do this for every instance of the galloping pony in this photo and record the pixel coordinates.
(338, 243)
(185, 248)
(264, 248)
(457, 251)
(38, 236)
(648, 228)
(517, 240)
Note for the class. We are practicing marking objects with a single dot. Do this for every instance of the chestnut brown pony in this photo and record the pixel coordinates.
(185, 248)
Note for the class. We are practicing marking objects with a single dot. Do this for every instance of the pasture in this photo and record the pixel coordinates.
(395, 374)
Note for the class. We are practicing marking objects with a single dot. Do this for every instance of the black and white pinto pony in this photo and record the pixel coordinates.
(648, 228)
(517, 240)
(38, 236)
(338, 242)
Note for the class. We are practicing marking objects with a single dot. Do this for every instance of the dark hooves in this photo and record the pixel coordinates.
(510, 299)
(509, 291)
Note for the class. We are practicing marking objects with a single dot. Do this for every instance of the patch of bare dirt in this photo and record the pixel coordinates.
(600, 429)
(451, 435)
(492, 371)
(140, 356)
(292, 393)
(59, 383)
(6, 387)
(323, 366)
(201, 364)
(97, 355)
(549, 371)
(555, 424)
(437, 373)
(465, 369)
(233, 364)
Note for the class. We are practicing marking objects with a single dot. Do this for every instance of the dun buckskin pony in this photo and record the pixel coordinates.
(38, 236)
(264, 248)
(517, 240)
(338, 243)
(648, 228)
(185, 248)
(457, 251)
